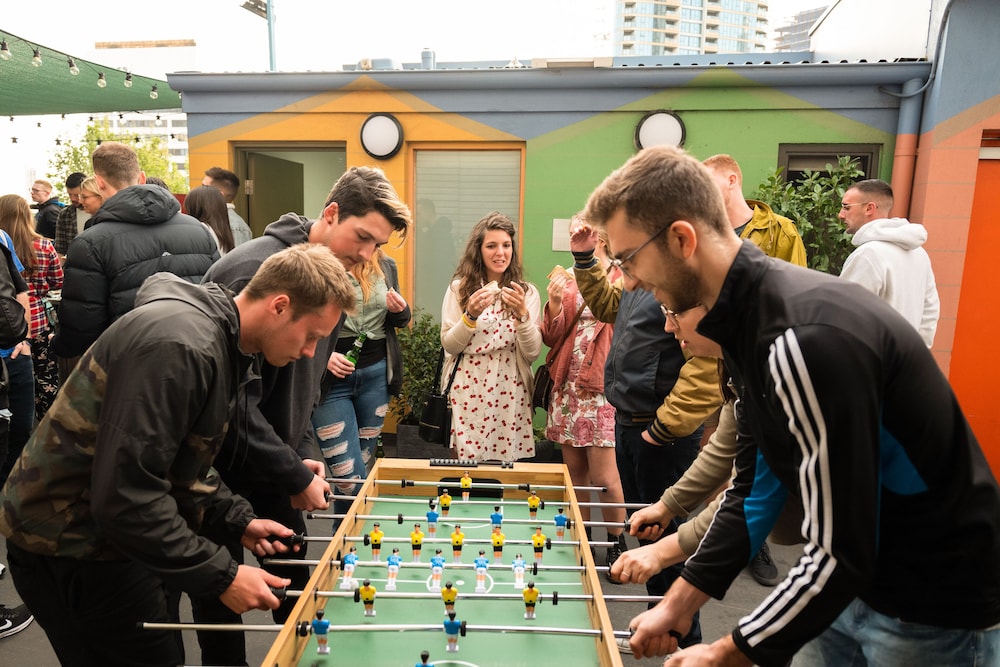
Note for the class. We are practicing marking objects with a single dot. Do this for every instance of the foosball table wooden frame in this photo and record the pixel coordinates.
(390, 477)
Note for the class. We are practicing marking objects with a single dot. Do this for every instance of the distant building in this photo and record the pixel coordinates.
(795, 35)
(689, 27)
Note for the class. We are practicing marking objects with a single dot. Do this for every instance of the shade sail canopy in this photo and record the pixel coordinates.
(27, 90)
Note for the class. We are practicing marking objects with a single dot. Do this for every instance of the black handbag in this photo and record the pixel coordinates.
(435, 412)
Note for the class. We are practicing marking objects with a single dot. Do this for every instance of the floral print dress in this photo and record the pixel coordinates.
(580, 417)
(491, 407)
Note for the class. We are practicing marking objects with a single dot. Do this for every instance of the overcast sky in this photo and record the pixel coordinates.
(326, 35)
(312, 35)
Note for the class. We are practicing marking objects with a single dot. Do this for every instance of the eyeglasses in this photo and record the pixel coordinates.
(620, 263)
(84, 197)
(674, 316)
(848, 206)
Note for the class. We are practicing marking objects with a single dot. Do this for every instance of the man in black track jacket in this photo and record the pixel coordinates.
(843, 405)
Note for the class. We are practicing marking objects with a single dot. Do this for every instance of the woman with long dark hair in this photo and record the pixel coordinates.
(490, 329)
(207, 204)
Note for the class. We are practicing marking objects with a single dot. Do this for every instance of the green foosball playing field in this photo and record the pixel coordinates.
(571, 625)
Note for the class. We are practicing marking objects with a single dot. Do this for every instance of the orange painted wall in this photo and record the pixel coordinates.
(975, 362)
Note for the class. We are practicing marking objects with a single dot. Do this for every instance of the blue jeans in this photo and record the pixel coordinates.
(21, 402)
(862, 636)
(646, 471)
(348, 423)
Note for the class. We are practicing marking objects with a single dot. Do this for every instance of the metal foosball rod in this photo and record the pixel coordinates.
(403, 483)
(303, 629)
(401, 519)
(534, 568)
(555, 597)
(494, 501)
(298, 540)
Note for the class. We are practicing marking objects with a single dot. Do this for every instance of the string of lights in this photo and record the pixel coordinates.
(30, 72)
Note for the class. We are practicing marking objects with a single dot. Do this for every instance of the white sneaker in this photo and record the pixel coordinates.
(3, 569)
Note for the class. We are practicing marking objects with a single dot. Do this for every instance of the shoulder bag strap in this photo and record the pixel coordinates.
(572, 325)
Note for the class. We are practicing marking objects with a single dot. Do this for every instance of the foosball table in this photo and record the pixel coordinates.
(364, 618)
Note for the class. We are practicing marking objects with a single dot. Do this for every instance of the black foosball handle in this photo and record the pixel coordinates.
(291, 541)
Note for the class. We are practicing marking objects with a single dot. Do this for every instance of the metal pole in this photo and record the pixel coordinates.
(270, 35)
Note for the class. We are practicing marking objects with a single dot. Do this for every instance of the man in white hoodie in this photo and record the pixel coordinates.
(890, 260)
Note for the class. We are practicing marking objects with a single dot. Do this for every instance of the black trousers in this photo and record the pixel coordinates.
(229, 648)
(91, 610)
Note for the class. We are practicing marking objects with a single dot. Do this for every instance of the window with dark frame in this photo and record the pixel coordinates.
(796, 159)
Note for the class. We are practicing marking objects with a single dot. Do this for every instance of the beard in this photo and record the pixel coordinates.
(680, 284)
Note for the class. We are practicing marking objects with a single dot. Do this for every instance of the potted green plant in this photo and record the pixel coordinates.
(420, 347)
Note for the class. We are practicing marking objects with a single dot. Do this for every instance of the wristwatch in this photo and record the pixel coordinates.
(524, 318)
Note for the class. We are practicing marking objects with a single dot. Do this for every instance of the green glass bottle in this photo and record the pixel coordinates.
(379, 452)
(354, 353)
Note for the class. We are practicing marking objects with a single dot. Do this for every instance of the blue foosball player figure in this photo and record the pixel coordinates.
(432, 519)
(437, 568)
(481, 565)
(425, 657)
(560, 520)
(451, 628)
(392, 564)
(321, 628)
(497, 517)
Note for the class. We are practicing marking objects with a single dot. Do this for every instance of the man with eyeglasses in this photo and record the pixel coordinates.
(48, 208)
(890, 260)
(72, 218)
(841, 401)
(661, 395)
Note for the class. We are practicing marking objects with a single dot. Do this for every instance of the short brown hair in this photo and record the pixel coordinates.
(117, 164)
(877, 191)
(361, 190)
(309, 274)
(659, 185)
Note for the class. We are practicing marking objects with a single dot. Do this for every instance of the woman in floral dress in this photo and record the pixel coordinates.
(580, 418)
(490, 317)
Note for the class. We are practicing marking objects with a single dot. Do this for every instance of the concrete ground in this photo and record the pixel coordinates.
(30, 647)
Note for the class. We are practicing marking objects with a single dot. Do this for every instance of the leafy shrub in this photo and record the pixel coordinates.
(813, 204)
(420, 347)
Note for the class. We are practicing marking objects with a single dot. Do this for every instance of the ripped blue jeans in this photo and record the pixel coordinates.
(348, 423)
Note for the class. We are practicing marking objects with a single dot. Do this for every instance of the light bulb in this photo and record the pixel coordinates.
(154, 93)
(36, 59)
(73, 69)
(101, 81)
(128, 80)
(5, 53)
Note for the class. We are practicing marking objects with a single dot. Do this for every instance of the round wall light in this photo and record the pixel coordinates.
(659, 128)
(381, 136)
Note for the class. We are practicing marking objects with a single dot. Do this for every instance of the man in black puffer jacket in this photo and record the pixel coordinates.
(138, 231)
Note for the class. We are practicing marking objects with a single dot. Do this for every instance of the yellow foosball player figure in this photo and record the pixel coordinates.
(530, 595)
(321, 628)
(444, 500)
(375, 537)
(497, 537)
(367, 596)
(538, 543)
(416, 541)
(466, 482)
(448, 594)
(457, 540)
(533, 502)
